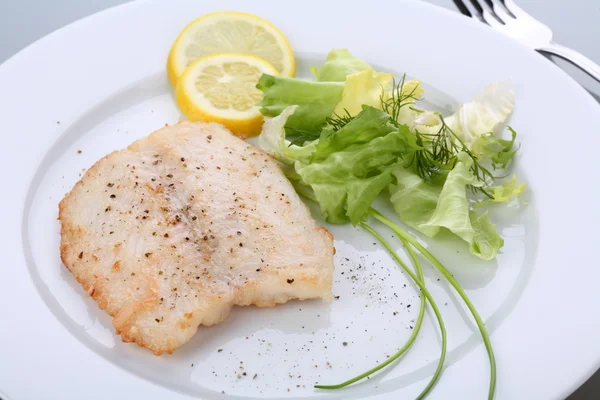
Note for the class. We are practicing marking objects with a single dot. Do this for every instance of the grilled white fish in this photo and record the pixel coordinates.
(173, 231)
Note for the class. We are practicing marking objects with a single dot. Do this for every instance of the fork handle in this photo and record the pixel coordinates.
(575, 57)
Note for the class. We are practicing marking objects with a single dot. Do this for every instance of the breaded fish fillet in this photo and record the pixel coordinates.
(173, 231)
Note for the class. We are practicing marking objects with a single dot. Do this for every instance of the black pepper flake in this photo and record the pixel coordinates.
(187, 238)
(345, 343)
(148, 254)
(194, 218)
(166, 235)
(239, 233)
(157, 320)
(258, 270)
(336, 297)
(110, 184)
(220, 350)
(160, 272)
(290, 281)
(205, 238)
(255, 375)
(182, 159)
(112, 196)
(80, 255)
(153, 233)
(108, 209)
(241, 244)
(209, 137)
(169, 175)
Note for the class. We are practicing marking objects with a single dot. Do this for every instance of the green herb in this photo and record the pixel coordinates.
(337, 122)
(435, 169)
(438, 153)
(440, 267)
(425, 295)
(398, 98)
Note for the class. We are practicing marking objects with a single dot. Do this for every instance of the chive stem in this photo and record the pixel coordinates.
(437, 264)
(412, 338)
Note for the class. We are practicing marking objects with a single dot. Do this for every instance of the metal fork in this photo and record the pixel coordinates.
(510, 19)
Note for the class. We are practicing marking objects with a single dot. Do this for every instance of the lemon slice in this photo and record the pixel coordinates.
(230, 32)
(222, 88)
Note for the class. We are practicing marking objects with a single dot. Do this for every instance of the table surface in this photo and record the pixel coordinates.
(574, 24)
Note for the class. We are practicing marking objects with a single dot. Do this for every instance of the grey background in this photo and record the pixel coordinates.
(574, 22)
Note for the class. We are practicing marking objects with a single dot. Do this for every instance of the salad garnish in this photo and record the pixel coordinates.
(354, 134)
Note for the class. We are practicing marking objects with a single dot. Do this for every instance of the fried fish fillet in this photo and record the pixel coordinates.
(173, 231)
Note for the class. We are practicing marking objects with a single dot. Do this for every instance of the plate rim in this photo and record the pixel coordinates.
(40, 43)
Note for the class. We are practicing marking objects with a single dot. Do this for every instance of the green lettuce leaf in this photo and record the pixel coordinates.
(316, 102)
(452, 210)
(486, 240)
(353, 165)
(415, 199)
(367, 125)
(339, 64)
(504, 192)
(441, 203)
(498, 151)
(272, 140)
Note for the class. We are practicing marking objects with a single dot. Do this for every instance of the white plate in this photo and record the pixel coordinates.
(100, 83)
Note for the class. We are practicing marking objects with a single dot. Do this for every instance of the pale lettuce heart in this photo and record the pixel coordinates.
(362, 88)
(488, 111)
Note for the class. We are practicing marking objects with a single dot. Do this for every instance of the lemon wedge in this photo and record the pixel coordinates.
(222, 88)
(230, 32)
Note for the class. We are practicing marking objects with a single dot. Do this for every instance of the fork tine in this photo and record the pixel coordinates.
(490, 19)
(477, 6)
(514, 8)
(485, 14)
(466, 7)
(462, 8)
(499, 11)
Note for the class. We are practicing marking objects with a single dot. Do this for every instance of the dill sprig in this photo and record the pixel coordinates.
(298, 136)
(434, 153)
(337, 121)
(437, 153)
(398, 99)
